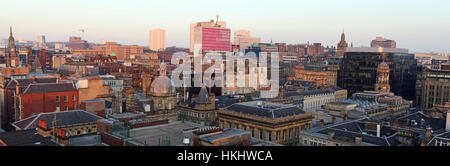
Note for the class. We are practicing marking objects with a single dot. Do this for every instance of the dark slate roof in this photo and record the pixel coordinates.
(265, 112)
(436, 124)
(45, 80)
(50, 87)
(65, 118)
(440, 137)
(203, 96)
(22, 82)
(348, 130)
(225, 101)
(352, 129)
(25, 138)
(27, 81)
(368, 139)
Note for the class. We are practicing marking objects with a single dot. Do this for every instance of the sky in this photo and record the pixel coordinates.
(418, 25)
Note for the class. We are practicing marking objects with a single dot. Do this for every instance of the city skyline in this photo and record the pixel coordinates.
(299, 22)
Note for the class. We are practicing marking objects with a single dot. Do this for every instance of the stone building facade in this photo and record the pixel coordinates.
(272, 122)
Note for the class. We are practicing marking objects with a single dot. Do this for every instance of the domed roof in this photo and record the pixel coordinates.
(162, 85)
(383, 65)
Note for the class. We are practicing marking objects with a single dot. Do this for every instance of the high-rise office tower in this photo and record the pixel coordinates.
(244, 39)
(213, 38)
(157, 40)
(210, 24)
(41, 39)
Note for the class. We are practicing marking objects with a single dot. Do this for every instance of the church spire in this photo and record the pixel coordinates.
(10, 31)
(341, 46)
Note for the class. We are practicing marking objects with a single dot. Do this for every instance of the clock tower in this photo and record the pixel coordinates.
(12, 57)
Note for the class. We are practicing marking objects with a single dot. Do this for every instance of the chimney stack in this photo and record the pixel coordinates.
(378, 130)
(428, 133)
(358, 139)
(331, 133)
(321, 123)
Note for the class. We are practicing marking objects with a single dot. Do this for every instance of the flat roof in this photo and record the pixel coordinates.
(126, 115)
(226, 133)
(174, 132)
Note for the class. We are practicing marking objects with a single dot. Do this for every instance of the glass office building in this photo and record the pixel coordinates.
(359, 70)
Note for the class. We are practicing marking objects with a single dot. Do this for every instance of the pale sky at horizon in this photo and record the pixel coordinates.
(420, 26)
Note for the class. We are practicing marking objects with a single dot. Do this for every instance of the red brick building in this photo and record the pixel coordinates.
(48, 97)
(25, 97)
(11, 100)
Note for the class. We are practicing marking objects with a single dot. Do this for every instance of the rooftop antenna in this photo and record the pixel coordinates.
(217, 20)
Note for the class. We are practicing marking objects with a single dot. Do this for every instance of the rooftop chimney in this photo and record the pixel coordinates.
(331, 133)
(428, 133)
(321, 123)
(378, 130)
(358, 139)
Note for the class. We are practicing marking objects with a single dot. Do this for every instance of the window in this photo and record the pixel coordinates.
(73, 98)
(66, 108)
(261, 134)
(65, 98)
(253, 132)
(270, 136)
(57, 99)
